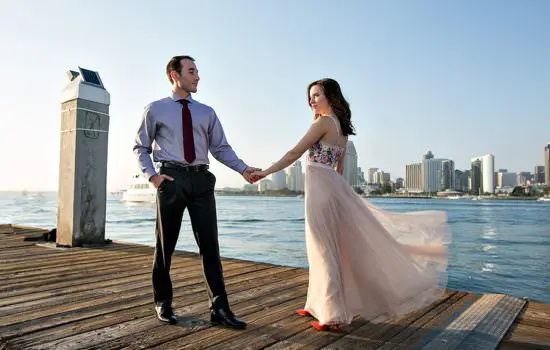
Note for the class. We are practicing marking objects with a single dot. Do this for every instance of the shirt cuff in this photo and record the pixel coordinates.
(149, 173)
(241, 168)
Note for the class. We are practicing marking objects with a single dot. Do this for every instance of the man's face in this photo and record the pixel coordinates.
(188, 78)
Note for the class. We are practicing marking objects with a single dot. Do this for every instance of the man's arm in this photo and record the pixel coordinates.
(220, 148)
(143, 143)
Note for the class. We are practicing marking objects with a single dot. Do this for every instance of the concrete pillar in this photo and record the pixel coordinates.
(82, 193)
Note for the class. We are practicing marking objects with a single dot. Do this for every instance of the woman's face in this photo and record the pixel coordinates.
(318, 101)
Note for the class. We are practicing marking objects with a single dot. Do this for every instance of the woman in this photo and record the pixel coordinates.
(362, 260)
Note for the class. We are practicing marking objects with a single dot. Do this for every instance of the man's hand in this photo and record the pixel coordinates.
(248, 174)
(156, 180)
(258, 175)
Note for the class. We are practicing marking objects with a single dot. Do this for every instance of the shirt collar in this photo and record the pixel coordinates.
(177, 97)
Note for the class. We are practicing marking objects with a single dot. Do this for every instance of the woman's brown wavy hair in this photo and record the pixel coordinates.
(337, 102)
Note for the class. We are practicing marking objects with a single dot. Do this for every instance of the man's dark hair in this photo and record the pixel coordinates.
(175, 64)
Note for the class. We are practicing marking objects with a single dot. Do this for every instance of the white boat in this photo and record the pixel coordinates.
(544, 199)
(140, 191)
(454, 197)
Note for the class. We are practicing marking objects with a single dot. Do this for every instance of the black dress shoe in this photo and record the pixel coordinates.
(226, 318)
(165, 313)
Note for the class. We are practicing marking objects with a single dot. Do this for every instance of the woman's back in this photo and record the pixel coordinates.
(331, 147)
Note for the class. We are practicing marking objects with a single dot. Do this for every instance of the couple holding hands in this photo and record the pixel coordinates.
(363, 261)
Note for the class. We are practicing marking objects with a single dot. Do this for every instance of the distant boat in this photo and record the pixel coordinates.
(544, 199)
(454, 197)
(140, 191)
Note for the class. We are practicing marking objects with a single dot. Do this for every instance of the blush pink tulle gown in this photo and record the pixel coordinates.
(364, 261)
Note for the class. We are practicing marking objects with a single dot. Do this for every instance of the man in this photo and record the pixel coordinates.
(180, 131)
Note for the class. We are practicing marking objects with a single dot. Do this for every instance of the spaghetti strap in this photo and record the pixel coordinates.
(337, 123)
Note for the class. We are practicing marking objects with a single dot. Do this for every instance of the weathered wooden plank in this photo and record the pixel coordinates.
(7, 237)
(526, 337)
(458, 330)
(202, 337)
(104, 288)
(377, 333)
(21, 267)
(427, 327)
(268, 334)
(38, 253)
(71, 278)
(105, 302)
(187, 305)
(492, 328)
(31, 284)
(16, 245)
(32, 252)
(535, 314)
(17, 325)
(18, 279)
(263, 332)
(10, 238)
(193, 276)
(76, 254)
(6, 228)
(150, 331)
(22, 228)
(61, 265)
(359, 333)
(104, 277)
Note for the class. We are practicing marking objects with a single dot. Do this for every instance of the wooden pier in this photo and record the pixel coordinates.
(100, 298)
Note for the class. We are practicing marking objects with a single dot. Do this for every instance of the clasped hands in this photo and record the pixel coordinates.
(252, 175)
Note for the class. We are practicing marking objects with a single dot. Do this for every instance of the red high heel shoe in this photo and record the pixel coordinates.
(303, 313)
(326, 327)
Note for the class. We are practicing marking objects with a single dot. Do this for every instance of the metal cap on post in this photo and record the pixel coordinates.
(82, 193)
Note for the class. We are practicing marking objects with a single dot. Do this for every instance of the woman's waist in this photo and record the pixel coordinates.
(319, 165)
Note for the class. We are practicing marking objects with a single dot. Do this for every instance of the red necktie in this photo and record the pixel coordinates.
(187, 126)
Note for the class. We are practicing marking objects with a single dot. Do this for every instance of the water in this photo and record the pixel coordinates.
(498, 246)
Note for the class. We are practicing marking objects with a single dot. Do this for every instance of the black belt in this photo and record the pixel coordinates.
(185, 167)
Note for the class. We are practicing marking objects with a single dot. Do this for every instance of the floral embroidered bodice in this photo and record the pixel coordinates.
(326, 153)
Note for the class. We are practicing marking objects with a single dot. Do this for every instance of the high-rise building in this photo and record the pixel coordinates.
(538, 174)
(462, 180)
(278, 180)
(350, 165)
(399, 182)
(265, 185)
(361, 176)
(483, 174)
(505, 179)
(381, 177)
(431, 175)
(475, 182)
(523, 177)
(295, 177)
(370, 175)
(414, 182)
(547, 164)
(448, 175)
(432, 169)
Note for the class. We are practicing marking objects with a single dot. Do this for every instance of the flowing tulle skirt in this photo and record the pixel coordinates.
(366, 261)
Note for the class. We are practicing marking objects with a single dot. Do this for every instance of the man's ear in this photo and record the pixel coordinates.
(173, 75)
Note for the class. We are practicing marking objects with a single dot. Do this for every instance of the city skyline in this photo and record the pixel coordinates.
(433, 174)
(458, 78)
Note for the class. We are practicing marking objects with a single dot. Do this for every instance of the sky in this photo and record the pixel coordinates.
(459, 78)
